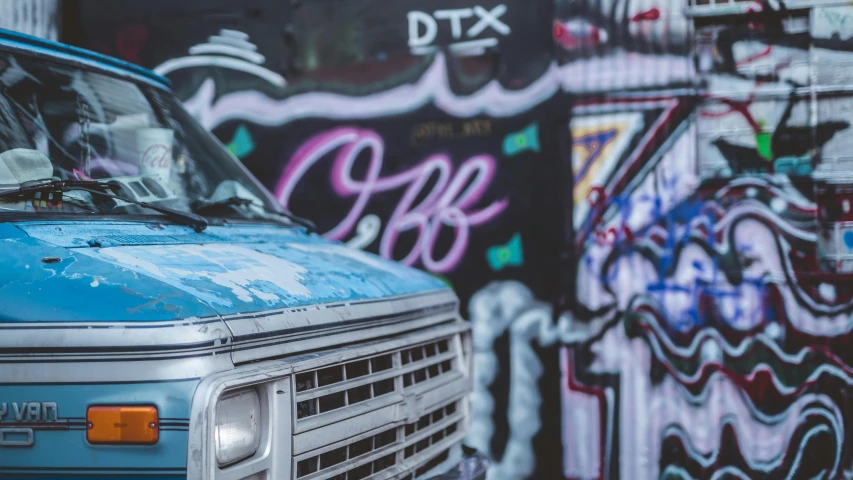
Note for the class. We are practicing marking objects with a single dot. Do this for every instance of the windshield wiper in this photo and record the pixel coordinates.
(201, 207)
(32, 190)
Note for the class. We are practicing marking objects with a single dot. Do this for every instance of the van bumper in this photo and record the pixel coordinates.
(473, 466)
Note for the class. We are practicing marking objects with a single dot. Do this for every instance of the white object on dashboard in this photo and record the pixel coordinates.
(154, 146)
(24, 165)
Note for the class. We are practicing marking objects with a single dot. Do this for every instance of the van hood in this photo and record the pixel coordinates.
(121, 271)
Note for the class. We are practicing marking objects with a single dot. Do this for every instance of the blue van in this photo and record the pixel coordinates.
(162, 317)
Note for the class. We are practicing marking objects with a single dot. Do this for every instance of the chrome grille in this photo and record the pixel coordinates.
(427, 436)
(349, 384)
(383, 416)
(424, 436)
(339, 386)
(426, 354)
(350, 452)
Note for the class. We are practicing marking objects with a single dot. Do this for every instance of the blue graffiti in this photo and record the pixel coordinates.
(848, 239)
(594, 143)
(709, 286)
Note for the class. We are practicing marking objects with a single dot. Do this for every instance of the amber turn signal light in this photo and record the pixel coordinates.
(125, 425)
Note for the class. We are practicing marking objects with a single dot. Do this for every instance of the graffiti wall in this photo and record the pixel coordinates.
(686, 217)
(711, 337)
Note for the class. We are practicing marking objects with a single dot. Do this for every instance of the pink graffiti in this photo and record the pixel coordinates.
(448, 204)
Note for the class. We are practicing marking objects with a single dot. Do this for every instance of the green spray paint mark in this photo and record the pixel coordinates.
(762, 143)
(241, 145)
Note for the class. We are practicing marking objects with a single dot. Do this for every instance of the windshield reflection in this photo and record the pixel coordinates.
(58, 122)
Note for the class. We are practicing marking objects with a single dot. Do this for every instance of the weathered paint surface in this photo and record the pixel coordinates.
(138, 272)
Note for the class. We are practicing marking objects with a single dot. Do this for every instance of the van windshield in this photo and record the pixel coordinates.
(58, 122)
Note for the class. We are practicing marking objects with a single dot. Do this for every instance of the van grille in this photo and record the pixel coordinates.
(419, 437)
(338, 386)
(433, 435)
(351, 452)
(382, 416)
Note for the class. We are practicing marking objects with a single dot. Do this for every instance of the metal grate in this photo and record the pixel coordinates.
(350, 452)
(383, 416)
(430, 436)
(424, 423)
(339, 386)
(418, 354)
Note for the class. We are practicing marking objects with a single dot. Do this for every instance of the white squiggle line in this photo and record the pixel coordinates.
(729, 470)
(498, 307)
(723, 225)
(433, 87)
(792, 195)
(212, 48)
(682, 472)
(757, 208)
(174, 64)
(702, 397)
(489, 320)
(653, 408)
(765, 467)
(735, 351)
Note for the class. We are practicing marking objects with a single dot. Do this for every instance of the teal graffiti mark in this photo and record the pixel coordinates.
(241, 144)
(511, 254)
(793, 165)
(522, 141)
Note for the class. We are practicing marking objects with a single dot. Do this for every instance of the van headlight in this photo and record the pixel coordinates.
(238, 431)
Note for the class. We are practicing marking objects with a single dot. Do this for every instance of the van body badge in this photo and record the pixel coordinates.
(18, 420)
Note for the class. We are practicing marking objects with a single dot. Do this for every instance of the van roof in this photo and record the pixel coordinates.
(68, 54)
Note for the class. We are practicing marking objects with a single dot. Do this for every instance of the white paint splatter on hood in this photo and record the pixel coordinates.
(247, 273)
